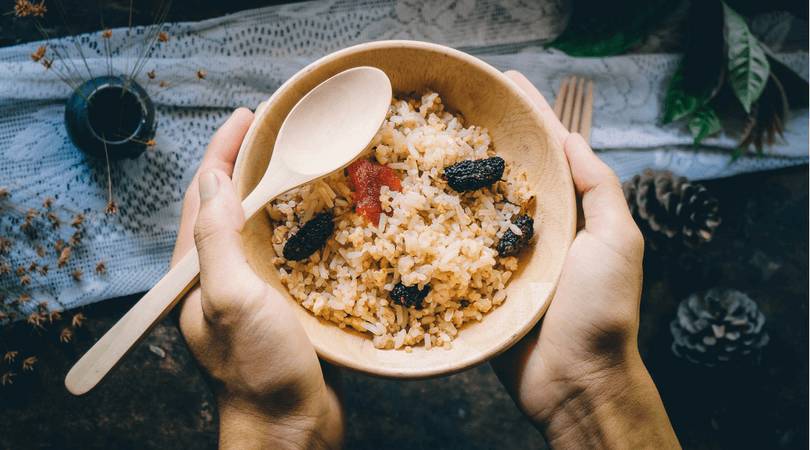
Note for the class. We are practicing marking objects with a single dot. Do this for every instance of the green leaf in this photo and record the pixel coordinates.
(737, 153)
(747, 63)
(679, 103)
(588, 46)
(704, 123)
(599, 28)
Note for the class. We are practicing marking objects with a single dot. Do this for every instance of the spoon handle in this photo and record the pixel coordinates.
(120, 339)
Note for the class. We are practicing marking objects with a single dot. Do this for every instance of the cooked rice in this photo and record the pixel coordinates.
(427, 234)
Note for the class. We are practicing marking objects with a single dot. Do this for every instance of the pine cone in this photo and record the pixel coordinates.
(669, 207)
(718, 327)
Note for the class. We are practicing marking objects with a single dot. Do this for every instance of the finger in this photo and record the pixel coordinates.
(224, 271)
(603, 205)
(224, 146)
(546, 112)
(221, 155)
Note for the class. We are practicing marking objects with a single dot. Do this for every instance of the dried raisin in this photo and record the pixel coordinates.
(409, 296)
(511, 243)
(310, 237)
(474, 174)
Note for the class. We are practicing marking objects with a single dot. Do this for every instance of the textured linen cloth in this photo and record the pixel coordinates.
(246, 56)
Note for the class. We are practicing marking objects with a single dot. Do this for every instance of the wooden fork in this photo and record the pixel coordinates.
(574, 105)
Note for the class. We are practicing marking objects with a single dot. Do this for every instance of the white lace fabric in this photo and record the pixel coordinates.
(246, 56)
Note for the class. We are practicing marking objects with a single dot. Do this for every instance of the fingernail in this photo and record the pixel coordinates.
(209, 185)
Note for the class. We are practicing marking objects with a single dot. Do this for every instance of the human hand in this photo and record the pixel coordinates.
(266, 376)
(578, 375)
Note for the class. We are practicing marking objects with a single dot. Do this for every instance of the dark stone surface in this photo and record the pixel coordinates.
(761, 249)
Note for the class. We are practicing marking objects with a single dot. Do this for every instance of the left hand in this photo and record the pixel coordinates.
(268, 382)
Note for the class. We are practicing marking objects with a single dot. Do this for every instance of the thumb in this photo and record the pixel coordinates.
(224, 272)
(603, 204)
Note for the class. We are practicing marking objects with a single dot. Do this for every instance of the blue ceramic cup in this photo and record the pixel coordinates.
(110, 115)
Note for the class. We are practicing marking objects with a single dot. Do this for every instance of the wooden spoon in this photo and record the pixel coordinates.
(324, 132)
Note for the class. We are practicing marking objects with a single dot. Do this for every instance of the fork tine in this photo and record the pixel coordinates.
(587, 114)
(558, 102)
(576, 115)
(568, 107)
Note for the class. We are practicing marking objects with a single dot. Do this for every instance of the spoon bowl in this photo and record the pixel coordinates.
(327, 129)
(335, 106)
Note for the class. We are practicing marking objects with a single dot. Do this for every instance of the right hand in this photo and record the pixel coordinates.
(580, 370)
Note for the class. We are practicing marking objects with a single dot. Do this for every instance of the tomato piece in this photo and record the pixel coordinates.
(366, 178)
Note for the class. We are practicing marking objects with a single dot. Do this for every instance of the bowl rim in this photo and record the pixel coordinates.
(471, 359)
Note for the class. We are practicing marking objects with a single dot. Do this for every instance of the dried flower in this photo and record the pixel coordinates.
(42, 306)
(106, 34)
(55, 221)
(43, 269)
(25, 280)
(163, 36)
(47, 63)
(201, 74)
(66, 335)
(151, 74)
(10, 356)
(5, 268)
(5, 245)
(33, 266)
(59, 245)
(78, 320)
(112, 208)
(54, 316)
(21, 271)
(101, 268)
(35, 319)
(75, 239)
(78, 220)
(38, 54)
(163, 84)
(40, 251)
(24, 8)
(23, 299)
(77, 274)
(64, 257)
(28, 363)
(47, 203)
(7, 378)
(4, 193)
(28, 223)
(151, 143)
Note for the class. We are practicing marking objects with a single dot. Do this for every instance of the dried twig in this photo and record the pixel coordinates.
(28, 363)
(10, 356)
(78, 320)
(66, 335)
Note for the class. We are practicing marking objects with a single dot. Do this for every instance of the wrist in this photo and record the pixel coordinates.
(316, 423)
(615, 406)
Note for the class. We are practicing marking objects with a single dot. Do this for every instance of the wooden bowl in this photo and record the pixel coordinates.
(485, 97)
